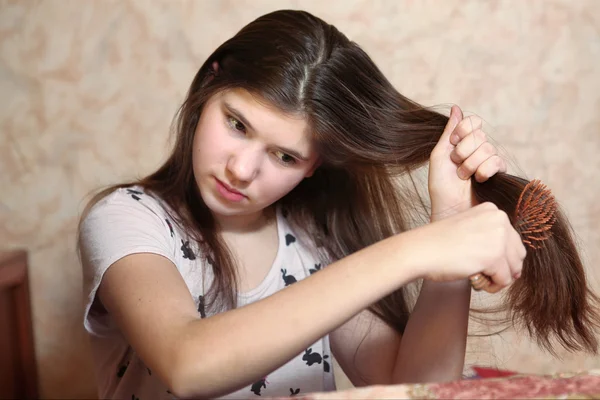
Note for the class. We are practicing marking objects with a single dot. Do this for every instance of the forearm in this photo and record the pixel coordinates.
(215, 354)
(434, 343)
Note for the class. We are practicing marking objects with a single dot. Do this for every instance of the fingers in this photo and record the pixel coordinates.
(516, 253)
(508, 269)
(489, 168)
(476, 156)
(444, 146)
(455, 119)
(469, 144)
(515, 262)
(465, 127)
(472, 163)
(482, 165)
(500, 278)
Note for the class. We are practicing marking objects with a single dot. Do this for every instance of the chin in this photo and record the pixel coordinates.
(220, 207)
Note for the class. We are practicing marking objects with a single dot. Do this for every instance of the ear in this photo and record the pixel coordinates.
(215, 68)
(214, 71)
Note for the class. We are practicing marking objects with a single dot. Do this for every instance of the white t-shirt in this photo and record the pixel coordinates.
(130, 221)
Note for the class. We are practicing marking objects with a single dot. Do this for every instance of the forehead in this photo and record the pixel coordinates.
(266, 119)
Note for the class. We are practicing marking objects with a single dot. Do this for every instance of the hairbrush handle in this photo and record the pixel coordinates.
(480, 281)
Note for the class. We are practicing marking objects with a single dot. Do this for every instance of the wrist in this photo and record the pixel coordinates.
(416, 253)
(438, 215)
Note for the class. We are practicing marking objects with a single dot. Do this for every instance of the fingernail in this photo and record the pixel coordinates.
(454, 139)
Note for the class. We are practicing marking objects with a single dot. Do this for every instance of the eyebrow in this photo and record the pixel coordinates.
(237, 114)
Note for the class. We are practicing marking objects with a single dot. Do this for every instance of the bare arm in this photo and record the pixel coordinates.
(372, 353)
(151, 304)
(366, 349)
(425, 355)
(434, 343)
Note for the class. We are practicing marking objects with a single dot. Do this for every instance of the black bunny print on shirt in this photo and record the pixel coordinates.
(315, 358)
(289, 239)
(311, 358)
(187, 252)
(122, 369)
(135, 194)
(258, 386)
(201, 307)
(288, 279)
(170, 227)
(317, 268)
(326, 367)
(210, 260)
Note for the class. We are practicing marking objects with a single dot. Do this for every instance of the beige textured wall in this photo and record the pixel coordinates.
(88, 90)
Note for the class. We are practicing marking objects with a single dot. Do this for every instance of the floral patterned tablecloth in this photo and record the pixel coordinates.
(577, 385)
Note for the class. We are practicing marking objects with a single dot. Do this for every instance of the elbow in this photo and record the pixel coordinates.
(183, 390)
(182, 386)
(190, 378)
(185, 381)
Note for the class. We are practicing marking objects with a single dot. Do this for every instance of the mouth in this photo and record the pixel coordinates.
(228, 192)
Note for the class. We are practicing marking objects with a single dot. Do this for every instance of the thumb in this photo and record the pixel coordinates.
(454, 119)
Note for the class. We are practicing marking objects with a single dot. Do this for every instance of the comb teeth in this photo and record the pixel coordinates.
(535, 214)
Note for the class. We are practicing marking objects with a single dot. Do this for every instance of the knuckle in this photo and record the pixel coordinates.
(482, 172)
(519, 267)
(460, 129)
(454, 156)
(488, 205)
(475, 121)
(521, 251)
(488, 148)
(481, 136)
(461, 151)
(504, 220)
(468, 166)
(499, 224)
(499, 161)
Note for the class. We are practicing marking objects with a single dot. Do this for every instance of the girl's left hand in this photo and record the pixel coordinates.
(461, 152)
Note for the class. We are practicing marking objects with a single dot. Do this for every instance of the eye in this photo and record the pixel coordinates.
(284, 159)
(235, 124)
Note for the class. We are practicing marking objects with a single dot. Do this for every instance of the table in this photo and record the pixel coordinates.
(18, 371)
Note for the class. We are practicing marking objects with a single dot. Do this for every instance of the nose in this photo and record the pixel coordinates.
(244, 164)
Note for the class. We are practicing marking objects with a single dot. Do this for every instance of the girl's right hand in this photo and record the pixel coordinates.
(478, 240)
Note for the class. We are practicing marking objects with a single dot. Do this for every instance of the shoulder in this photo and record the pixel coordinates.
(127, 220)
(131, 198)
(130, 204)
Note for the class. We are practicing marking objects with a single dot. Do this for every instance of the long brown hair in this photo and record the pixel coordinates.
(367, 135)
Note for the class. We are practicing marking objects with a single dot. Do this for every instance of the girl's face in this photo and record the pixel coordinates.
(247, 156)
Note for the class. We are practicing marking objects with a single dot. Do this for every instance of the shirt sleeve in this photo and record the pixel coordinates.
(123, 223)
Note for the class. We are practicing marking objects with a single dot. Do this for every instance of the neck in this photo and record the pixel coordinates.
(245, 223)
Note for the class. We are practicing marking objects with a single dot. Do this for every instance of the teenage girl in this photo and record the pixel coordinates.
(276, 235)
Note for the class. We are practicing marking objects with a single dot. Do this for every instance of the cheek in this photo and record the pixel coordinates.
(281, 184)
(211, 144)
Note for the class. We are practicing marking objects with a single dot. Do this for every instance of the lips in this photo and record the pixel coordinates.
(229, 188)
(229, 193)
